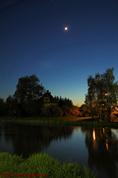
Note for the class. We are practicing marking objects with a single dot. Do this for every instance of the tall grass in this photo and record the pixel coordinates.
(42, 164)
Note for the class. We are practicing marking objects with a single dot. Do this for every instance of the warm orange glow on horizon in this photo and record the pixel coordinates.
(78, 102)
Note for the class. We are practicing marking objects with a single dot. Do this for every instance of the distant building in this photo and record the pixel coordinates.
(47, 98)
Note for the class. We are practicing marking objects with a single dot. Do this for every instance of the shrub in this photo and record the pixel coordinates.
(52, 110)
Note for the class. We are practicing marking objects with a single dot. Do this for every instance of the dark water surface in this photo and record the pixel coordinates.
(96, 148)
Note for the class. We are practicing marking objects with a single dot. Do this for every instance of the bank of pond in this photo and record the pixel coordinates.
(40, 165)
(59, 121)
(92, 147)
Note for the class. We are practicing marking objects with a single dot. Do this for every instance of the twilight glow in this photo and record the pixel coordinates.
(32, 41)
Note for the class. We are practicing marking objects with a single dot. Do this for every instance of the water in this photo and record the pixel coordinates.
(96, 148)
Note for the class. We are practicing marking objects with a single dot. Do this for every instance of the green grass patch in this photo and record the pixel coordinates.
(40, 164)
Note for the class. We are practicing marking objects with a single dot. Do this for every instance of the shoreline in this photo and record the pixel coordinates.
(60, 121)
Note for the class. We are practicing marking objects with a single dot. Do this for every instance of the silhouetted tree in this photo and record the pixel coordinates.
(28, 94)
(11, 105)
(102, 94)
(2, 107)
(65, 104)
(31, 99)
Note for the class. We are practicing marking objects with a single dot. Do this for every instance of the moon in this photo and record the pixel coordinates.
(66, 29)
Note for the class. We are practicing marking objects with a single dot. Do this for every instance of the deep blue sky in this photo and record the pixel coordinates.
(33, 41)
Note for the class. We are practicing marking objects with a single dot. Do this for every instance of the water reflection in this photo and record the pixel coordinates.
(96, 147)
(27, 139)
(102, 147)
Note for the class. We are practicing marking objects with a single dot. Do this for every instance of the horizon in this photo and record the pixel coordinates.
(61, 42)
(74, 102)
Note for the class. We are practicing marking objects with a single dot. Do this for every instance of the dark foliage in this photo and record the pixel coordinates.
(31, 99)
(102, 94)
(2, 107)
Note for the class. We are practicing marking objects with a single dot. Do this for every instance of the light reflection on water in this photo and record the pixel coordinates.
(94, 147)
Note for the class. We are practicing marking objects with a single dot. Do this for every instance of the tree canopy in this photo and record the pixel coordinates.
(102, 93)
(28, 89)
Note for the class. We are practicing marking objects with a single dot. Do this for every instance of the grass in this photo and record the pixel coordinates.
(92, 124)
(42, 164)
(58, 121)
(33, 120)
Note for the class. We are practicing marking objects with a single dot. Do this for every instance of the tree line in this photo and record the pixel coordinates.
(32, 99)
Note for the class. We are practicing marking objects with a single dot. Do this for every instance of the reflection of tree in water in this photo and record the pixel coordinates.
(102, 152)
(29, 139)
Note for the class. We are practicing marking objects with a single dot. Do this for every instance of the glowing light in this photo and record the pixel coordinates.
(66, 28)
(94, 136)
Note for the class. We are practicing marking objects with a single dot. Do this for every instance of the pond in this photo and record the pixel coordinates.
(96, 148)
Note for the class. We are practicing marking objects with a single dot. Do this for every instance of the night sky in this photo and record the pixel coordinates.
(33, 41)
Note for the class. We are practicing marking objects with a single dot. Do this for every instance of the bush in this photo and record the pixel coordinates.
(52, 110)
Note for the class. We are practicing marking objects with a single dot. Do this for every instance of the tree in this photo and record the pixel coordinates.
(28, 93)
(102, 94)
(11, 106)
(84, 110)
(65, 104)
(2, 107)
